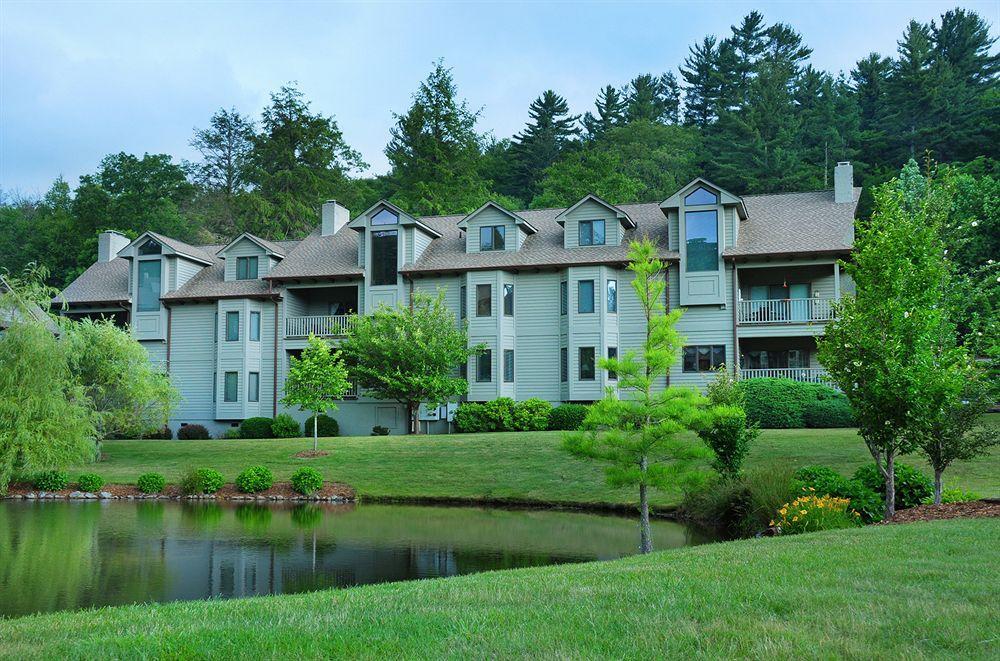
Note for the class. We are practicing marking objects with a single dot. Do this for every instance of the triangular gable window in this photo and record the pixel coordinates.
(150, 248)
(700, 196)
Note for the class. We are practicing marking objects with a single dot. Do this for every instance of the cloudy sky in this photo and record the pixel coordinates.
(79, 80)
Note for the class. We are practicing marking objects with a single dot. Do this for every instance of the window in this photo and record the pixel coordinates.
(587, 371)
(462, 304)
(492, 237)
(149, 285)
(508, 366)
(231, 387)
(484, 300)
(612, 296)
(463, 370)
(484, 366)
(591, 232)
(699, 197)
(232, 327)
(384, 257)
(563, 297)
(385, 217)
(253, 387)
(704, 358)
(150, 248)
(254, 327)
(563, 365)
(585, 294)
(508, 300)
(702, 232)
(612, 354)
(246, 268)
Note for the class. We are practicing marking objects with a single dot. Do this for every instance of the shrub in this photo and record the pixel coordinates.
(781, 403)
(567, 417)
(954, 496)
(829, 413)
(742, 506)
(325, 426)
(823, 481)
(811, 513)
(729, 437)
(912, 486)
(203, 480)
(162, 434)
(531, 415)
(284, 426)
(53, 480)
(90, 482)
(231, 434)
(254, 479)
(193, 433)
(256, 428)
(151, 483)
(499, 413)
(470, 418)
(307, 480)
(379, 430)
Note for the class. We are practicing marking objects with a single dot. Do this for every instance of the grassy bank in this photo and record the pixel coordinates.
(505, 466)
(917, 590)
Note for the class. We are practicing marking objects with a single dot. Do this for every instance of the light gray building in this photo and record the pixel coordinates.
(545, 290)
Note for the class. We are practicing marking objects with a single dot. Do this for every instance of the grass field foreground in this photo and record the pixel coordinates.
(922, 590)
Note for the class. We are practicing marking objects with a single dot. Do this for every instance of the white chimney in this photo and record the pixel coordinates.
(843, 182)
(335, 216)
(109, 243)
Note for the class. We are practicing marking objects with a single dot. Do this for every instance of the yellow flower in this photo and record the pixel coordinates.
(812, 489)
(819, 504)
(772, 523)
(795, 518)
(802, 512)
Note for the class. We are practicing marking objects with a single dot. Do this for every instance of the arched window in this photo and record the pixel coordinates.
(700, 196)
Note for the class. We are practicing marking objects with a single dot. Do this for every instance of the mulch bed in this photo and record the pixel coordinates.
(279, 491)
(971, 509)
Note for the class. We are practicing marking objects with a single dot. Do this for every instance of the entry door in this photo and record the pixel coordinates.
(799, 303)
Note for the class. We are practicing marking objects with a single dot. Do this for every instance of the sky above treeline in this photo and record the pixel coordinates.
(80, 80)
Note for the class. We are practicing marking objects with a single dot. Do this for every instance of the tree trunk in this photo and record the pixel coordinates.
(890, 484)
(645, 534)
(411, 413)
(315, 432)
(938, 485)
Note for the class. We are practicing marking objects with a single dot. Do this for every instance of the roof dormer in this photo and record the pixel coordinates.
(250, 257)
(593, 222)
(492, 227)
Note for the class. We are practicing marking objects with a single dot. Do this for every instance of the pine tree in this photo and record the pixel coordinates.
(610, 106)
(702, 90)
(652, 99)
(911, 84)
(549, 132)
(224, 170)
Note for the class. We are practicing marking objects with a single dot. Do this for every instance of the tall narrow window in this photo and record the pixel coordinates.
(585, 294)
(564, 364)
(508, 300)
(231, 391)
(508, 365)
(484, 366)
(246, 268)
(612, 296)
(255, 326)
(484, 300)
(702, 236)
(149, 285)
(587, 371)
(385, 253)
(232, 326)
(591, 232)
(612, 354)
(462, 302)
(492, 237)
(563, 297)
(253, 387)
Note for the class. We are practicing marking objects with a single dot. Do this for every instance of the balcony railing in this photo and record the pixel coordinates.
(336, 325)
(786, 311)
(808, 374)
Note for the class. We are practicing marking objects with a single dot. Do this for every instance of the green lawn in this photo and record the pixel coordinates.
(925, 590)
(505, 466)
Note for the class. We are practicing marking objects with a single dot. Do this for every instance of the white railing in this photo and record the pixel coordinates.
(808, 374)
(786, 311)
(336, 325)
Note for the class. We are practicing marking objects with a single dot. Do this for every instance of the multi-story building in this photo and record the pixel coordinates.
(546, 290)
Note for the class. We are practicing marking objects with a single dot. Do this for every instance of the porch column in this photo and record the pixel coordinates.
(836, 281)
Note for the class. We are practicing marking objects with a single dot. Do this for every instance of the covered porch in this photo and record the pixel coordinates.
(787, 295)
(781, 358)
(321, 311)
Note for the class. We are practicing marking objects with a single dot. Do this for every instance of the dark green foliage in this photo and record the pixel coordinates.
(202, 480)
(326, 426)
(743, 506)
(912, 486)
(495, 415)
(823, 481)
(51, 480)
(151, 483)
(531, 415)
(567, 417)
(193, 433)
(379, 430)
(729, 437)
(829, 413)
(254, 479)
(256, 428)
(549, 132)
(90, 482)
(164, 433)
(284, 426)
(306, 480)
(781, 403)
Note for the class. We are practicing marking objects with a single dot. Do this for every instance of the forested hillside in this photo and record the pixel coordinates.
(745, 109)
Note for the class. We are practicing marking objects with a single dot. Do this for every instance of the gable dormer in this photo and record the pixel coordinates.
(249, 257)
(393, 231)
(492, 227)
(593, 222)
(703, 217)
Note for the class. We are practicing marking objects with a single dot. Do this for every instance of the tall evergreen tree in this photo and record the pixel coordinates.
(652, 99)
(225, 148)
(911, 84)
(549, 132)
(703, 82)
(610, 105)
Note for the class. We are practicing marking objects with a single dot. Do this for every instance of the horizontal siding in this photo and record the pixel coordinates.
(491, 216)
(246, 248)
(192, 360)
(591, 210)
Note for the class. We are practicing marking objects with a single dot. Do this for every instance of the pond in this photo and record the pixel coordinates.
(58, 555)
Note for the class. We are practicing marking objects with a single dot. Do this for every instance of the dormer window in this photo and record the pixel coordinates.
(492, 237)
(702, 232)
(150, 248)
(385, 217)
(700, 197)
(591, 232)
(246, 268)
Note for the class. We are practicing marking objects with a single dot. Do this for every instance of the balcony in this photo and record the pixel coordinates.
(336, 325)
(807, 374)
(785, 311)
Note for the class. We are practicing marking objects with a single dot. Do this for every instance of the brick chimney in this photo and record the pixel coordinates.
(334, 216)
(109, 243)
(843, 182)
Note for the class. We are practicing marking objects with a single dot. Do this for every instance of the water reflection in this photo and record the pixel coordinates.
(66, 555)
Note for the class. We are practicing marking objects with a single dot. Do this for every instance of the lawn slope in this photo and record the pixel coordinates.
(919, 590)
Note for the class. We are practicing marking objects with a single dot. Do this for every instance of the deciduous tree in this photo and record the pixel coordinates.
(316, 381)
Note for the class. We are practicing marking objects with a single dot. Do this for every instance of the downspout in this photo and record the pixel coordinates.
(736, 335)
(169, 318)
(274, 380)
(666, 306)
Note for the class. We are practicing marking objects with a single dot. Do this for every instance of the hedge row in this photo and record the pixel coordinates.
(504, 414)
(788, 404)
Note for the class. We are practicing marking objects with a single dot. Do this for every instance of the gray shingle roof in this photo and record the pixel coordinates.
(103, 282)
(322, 256)
(197, 252)
(210, 282)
